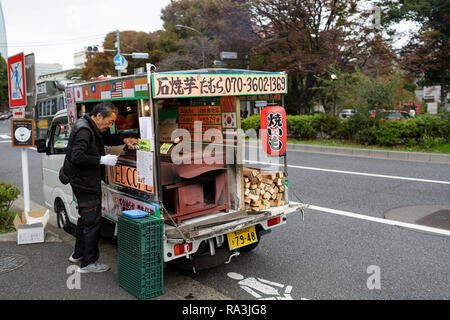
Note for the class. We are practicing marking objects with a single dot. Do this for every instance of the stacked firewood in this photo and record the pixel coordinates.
(263, 189)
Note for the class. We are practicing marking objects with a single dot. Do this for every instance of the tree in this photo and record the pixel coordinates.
(357, 90)
(3, 83)
(426, 54)
(305, 37)
(222, 25)
(76, 73)
(130, 41)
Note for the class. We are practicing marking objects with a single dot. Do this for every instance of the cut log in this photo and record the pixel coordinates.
(253, 197)
(249, 172)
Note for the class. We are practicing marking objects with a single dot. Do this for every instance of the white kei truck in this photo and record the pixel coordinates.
(189, 167)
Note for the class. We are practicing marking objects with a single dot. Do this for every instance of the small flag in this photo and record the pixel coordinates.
(95, 92)
(116, 89)
(106, 91)
(128, 89)
(86, 93)
(78, 94)
(229, 120)
(141, 87)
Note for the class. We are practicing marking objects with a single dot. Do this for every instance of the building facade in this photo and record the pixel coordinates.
(3, 42)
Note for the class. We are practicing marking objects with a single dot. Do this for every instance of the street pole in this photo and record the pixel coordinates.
(118, 49)
(179, 27)
(25, 181)
(203, 51)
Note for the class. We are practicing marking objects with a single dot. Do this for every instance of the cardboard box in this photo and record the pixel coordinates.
(30, 228)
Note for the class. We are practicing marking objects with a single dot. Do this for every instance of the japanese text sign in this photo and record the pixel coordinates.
(208, 85)
(274, 130)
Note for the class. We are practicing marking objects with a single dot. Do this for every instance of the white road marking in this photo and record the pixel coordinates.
(267, 290)
(5, 141)
(356, 173)
(5, 136)
(379, 220)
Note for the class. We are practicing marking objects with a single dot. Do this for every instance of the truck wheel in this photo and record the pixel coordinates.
(63, 218)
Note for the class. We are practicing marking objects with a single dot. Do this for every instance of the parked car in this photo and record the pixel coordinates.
(4, 116)
(346, 113)
(391, 114)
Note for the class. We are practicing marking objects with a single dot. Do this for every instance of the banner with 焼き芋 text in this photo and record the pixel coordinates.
(208, 85)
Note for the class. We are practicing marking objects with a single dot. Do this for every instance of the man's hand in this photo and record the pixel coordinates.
(131, 142)
(108, 160)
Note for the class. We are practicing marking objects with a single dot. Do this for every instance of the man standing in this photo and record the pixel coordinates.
(84, 166)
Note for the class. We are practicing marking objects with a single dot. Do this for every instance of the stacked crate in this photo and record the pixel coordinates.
(140, 257)
(263, 189)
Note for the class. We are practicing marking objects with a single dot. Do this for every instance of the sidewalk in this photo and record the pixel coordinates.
(370, 153)
(47, 271)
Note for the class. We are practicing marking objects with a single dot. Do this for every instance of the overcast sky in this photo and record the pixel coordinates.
(55, 29)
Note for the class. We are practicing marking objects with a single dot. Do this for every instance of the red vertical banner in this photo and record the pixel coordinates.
(274, 130)
(16, 81)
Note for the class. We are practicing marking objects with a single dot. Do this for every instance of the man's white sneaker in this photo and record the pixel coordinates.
(94, 267)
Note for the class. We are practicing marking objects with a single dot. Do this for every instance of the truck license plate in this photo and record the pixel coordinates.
(241, 238)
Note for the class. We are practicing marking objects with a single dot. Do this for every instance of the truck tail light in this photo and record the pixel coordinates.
(179, 248)
(273, 221)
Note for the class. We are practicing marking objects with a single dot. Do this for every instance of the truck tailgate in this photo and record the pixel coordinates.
(221, 223)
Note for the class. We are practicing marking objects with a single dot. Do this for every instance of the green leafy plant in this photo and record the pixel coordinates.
(8, 194)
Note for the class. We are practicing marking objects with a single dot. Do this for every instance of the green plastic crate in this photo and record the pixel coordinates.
(140, 256)
(138, 236)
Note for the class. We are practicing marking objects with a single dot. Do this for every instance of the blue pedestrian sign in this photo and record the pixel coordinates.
(119, 60)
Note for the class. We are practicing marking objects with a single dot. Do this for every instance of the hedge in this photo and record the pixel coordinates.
(361, 128)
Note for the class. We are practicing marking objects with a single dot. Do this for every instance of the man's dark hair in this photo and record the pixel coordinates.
(105, 109)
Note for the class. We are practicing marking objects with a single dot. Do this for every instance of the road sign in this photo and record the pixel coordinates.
(16, 81)
(30, 79)
(140, 55)
(19, 113)
(22, 133)
(220, 63)
(119, 60)
(228, 55)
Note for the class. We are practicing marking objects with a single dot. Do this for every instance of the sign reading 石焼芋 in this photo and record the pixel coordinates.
(208, 85)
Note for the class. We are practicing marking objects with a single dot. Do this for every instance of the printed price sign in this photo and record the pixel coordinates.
(22, 133)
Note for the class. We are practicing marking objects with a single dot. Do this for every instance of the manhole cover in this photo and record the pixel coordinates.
(435, 216)
(10, 262)
(439, 219)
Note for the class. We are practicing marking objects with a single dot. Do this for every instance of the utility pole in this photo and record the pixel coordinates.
(118, 49)
(133, 55)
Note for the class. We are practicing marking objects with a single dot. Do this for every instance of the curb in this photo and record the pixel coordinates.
(376, 154)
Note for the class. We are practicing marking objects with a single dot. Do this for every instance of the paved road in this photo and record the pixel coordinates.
(330, 256)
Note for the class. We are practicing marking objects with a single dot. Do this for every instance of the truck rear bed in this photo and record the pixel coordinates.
(219, 223)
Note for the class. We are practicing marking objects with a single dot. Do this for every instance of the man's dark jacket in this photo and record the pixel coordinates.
(82, 162)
